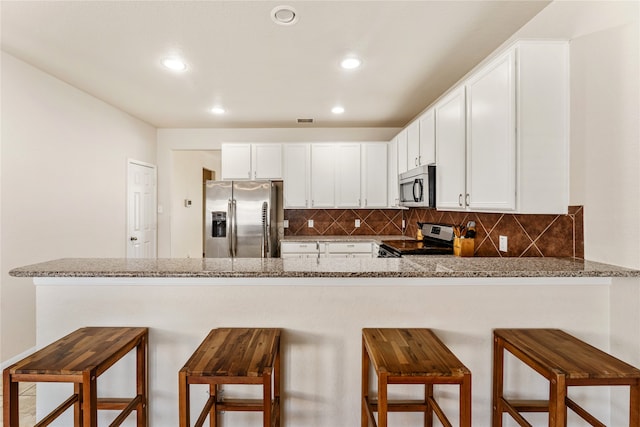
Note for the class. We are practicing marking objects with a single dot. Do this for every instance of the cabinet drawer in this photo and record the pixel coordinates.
(293, 247)
(350, 247)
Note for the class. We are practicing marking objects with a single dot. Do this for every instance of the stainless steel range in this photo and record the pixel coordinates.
(437, 240)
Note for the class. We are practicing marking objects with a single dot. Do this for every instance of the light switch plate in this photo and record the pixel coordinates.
(310, 223)
(503, 243)
(357, 223)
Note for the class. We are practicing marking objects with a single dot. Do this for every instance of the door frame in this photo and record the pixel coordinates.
(154, 168)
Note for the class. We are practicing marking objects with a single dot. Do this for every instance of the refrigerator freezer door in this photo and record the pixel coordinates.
(218, 219)
(249, 198)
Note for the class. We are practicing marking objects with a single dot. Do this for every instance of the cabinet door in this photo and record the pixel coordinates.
(392, 173)
(322, 175)
(450, 151)
(402, 151)
(236, 161)
(296, 176)
(374, 175)
(427, 138)
(491, 142)
(413, 145)
(347, 191)
(267, 161)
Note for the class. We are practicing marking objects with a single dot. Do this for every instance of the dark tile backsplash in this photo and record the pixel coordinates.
(528, 235)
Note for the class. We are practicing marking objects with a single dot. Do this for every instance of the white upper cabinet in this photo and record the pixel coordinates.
(491, 139)
(236, 161)
(450, 153)
(251, 161)
(402, 151)
(421, 140)
(393, 199)
(514, 156)
(413, 145)
(374, 175)
(267, 161)
(323, 175)
(347, 164)
(427, 138)
(296, 175)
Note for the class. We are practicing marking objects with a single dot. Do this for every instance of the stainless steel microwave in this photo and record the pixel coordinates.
(418, 187)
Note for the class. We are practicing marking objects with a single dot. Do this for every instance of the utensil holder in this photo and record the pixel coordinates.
(463, 247)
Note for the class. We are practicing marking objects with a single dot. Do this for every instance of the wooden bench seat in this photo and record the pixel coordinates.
(410, 356)
(80, 358)
(234, 356)
(565, 361)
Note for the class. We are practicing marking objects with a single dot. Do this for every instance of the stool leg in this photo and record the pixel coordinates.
(266, 399)
(213, 413)
(557, 402)
(498, 378)
(10, 410)
(89, 400)
(465, 401)
(382, 399)
(634, 404)
(428, 414)
(77, 407)
(276, 385)
(141, 382)
(364, 417)
(183, 400)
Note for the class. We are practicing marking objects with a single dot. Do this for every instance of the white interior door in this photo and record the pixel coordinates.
(141, 210)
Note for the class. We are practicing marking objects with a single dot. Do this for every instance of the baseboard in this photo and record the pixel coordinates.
(17, 358)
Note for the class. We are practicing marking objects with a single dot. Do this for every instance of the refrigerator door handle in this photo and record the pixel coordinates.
(235, 228)
(265, 229)
(230, 227)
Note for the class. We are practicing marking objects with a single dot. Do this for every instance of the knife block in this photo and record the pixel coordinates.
(463, 247)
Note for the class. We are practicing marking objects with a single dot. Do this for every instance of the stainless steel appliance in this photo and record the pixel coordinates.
(437, 240)
(240, 219)
(418, 187)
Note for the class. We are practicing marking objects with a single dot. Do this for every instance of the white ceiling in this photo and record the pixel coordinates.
(264, 74)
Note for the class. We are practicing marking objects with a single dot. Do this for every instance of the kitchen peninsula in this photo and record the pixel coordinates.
(322, 305)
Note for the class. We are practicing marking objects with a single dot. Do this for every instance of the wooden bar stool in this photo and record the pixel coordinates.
(234, 356)
(411, 356)
(80, 358)
(565, 361)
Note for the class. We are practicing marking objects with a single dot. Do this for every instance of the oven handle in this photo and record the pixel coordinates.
(417, 184)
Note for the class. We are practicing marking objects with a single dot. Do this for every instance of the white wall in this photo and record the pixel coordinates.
(64, 168)
(186, 228)
(173, 141)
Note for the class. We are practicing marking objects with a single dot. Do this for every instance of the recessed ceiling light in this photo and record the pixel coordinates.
(174, 64)
(217, 110)
(350, 63)
(284, 15)
(337, 110)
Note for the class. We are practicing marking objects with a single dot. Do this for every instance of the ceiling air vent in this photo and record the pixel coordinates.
(305, 120)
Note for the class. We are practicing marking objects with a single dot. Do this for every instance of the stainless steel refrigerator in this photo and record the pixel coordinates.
(240, 219)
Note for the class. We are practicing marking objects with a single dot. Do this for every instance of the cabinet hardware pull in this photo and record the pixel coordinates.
(460, 199)
(416, 161)
(466, 199)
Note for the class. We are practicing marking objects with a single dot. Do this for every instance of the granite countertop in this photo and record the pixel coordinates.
(410, 266)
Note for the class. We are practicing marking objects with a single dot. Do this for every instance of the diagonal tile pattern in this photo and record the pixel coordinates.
(528, 235)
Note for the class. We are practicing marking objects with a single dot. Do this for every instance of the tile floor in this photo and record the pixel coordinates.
(27, 405)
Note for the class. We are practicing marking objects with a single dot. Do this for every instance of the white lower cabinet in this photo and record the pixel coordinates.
(350, 250)
(324, 249)
(302, 250)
